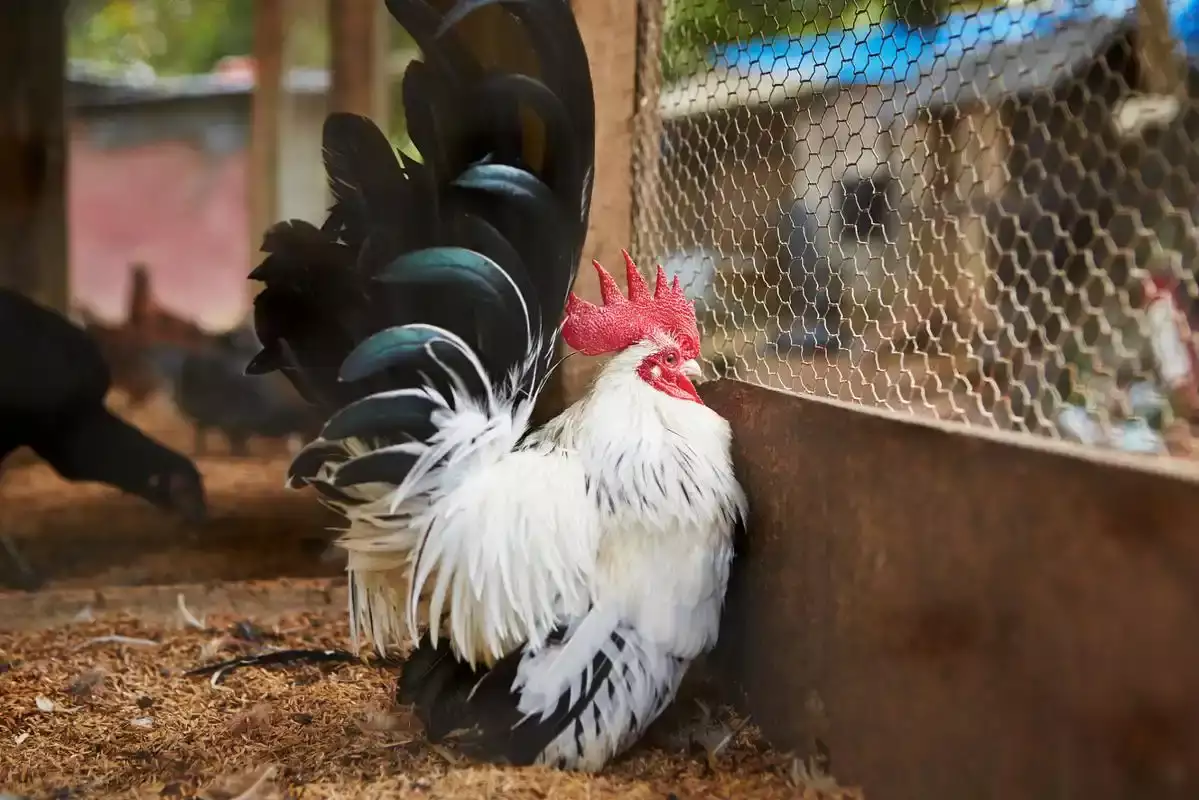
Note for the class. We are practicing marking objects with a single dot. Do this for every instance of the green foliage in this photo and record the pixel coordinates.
(179, 37)
(692, 27)
(172, 36)
(184, 37)
(918, 13)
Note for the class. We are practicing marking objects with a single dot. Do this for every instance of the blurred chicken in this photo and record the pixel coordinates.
(128, 345)
(211, 389)
(53, 381)
(125, 355)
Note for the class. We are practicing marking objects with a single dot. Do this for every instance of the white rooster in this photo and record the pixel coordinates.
(564, 576)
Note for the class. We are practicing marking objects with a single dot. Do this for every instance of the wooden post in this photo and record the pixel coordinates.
(358, 58)
(270, 37)
(1160, 69)
(33, 151)
(647, 130)
(927, 172)
(610, 35)
(1156, 56)
(983, 143)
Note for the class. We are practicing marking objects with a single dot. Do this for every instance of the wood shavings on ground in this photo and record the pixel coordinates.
(256, 529)
(116, 719)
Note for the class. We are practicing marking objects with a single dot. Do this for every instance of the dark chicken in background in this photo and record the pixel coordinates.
(211, 390)
(53, 384)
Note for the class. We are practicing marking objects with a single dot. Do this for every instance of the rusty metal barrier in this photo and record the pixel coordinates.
(950, 615)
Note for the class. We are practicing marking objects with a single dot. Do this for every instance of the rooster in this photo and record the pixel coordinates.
(566, 575)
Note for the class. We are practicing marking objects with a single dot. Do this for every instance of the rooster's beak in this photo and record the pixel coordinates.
(692, 369)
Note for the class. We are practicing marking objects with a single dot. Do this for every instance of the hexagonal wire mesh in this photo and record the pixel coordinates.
(988, 217)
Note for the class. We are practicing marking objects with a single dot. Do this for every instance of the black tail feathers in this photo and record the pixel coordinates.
(457, 261)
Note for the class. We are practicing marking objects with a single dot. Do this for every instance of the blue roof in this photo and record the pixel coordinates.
(890, 52)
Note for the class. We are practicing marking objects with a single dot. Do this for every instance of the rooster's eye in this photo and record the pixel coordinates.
(671, 359)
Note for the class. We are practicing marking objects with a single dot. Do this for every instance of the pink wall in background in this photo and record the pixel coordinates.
(171, 206)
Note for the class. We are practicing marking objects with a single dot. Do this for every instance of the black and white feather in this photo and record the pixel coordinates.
(568, 573)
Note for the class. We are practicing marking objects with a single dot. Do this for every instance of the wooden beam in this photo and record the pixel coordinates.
(609, 33)
(952, 614)
(359, 32)
(266, 110)
(33, 151)
(647, 128)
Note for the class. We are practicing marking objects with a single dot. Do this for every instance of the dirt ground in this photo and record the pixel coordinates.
(88, 534)
(84, 714)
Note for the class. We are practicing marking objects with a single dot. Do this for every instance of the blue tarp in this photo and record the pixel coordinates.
(890, 52)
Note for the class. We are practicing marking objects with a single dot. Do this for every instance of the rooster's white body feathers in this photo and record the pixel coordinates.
(616, 517)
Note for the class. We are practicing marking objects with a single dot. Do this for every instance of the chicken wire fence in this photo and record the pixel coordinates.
(984, 215)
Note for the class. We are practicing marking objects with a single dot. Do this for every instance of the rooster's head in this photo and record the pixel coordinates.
(660, 328)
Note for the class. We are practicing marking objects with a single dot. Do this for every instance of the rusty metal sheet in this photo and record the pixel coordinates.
(961, 617)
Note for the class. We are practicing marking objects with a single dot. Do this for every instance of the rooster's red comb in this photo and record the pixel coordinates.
(621, 322)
